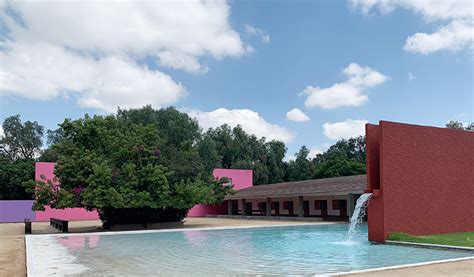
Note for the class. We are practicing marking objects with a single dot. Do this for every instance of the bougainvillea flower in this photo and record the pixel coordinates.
(77, 190)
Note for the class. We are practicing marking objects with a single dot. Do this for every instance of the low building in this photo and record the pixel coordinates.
(329, 198)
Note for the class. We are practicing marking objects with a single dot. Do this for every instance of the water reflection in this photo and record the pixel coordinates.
(76, 243)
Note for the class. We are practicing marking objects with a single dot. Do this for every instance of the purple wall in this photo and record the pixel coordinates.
(16, 210)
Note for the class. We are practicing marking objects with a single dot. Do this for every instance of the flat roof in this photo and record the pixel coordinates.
(316, 187)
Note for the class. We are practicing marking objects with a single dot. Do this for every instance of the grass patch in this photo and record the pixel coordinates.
(455, 239)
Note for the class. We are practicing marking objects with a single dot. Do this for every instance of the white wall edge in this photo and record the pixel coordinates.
(399, 266)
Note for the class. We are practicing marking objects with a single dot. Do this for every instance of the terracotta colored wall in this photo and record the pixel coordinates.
(426, 180)
(372, 139)
(375, 209)
(241, 178)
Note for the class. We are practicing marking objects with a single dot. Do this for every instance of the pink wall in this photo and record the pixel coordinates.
(67, 214)
(203, 210)
(241, 178)
(47, 170)
(426, 180)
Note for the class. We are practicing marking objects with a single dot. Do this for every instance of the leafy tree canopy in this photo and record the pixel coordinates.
(20, 140)
(19, 145)
(15, 178)
(228, 147)
(128, 164)
(453, 124)
(300, 168)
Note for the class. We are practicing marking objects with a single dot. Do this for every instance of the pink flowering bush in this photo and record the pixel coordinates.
(119, 169)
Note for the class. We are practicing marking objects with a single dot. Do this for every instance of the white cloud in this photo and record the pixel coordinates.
(91, 48)
(254, 31)
(297, 115)
(250, 121)
(1, 132)
(344, 129)
(411, 76)
(456, 35)
(43, 71)
(352, 92)
(315, 150)
(176, 32)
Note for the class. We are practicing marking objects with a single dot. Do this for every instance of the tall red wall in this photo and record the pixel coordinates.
(426, 180)
(375, 209)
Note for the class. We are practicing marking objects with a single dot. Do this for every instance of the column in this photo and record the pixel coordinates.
(229, 207)
(299, 206)
(243, 203)
(269, 207)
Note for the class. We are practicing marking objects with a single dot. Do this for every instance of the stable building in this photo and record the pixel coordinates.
(329, 198)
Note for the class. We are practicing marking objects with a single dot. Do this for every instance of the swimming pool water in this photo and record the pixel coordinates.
(300, 250)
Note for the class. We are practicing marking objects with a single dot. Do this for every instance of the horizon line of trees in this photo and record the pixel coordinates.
(190, 149)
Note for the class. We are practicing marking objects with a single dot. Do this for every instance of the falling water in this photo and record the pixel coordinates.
(359, 213)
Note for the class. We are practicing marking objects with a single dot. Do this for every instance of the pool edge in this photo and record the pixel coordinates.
(111, 233)
(398, 266)
(30, 270)
(430, 246)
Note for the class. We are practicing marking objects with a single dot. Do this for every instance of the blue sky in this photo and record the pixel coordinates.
(341, 63)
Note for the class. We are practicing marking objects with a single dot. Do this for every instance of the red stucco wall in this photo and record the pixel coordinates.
(426, 180)
(375, 210)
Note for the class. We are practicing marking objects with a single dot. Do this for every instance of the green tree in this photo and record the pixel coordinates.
(276, 168)
(20, 140)
(344, 158)
(15, 178)
(228, 147)
(178, 132)
(207, 148)
(453, 124)
(50, 154)
(174, 126)
(117, 165)
(338, 166)
(352, 149)
(300, 168)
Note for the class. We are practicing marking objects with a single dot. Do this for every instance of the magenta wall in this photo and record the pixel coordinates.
(241, 178)
(426, 180)
(47, 170)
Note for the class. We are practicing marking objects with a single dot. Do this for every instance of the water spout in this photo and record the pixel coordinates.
(359, 214)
